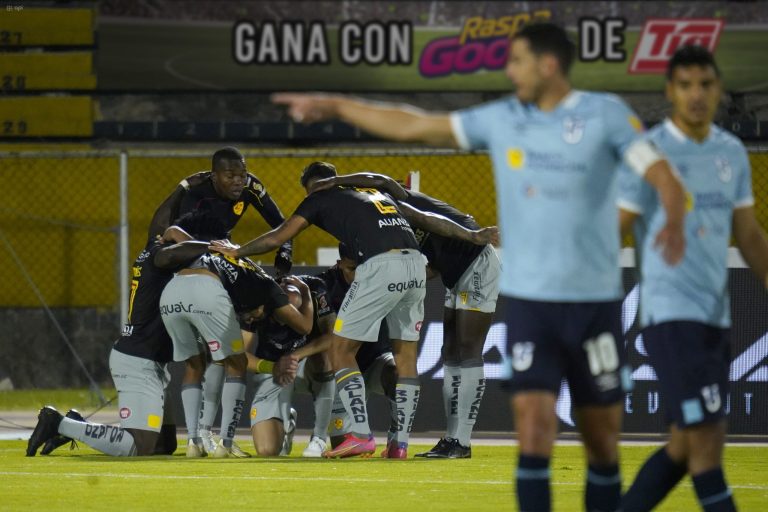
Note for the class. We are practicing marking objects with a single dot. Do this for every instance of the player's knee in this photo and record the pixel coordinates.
(166, 441)
(145, 441)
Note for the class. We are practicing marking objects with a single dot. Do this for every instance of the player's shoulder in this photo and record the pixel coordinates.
(596, 100)
(195, 180)
(725, 138)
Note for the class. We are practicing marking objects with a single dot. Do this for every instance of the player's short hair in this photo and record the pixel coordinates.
(317, 170)
(549, 38)
(228, 154)
(691, 55)
(202, 225)
(346, 252)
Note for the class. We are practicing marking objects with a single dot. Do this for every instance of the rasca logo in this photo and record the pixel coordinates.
(662, 36)
(482, 44)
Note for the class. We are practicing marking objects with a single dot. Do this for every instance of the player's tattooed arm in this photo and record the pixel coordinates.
(365, 180)
(268, 241)
(440, 225)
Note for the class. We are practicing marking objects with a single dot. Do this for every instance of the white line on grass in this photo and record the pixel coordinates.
(344, 479)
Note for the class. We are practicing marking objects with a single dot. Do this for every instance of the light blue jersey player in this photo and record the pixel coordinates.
(556, 154)
(685, 310)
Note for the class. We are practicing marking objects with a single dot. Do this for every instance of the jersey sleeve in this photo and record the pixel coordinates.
(472, 127)
(622, 125)
(258, 196)
(309, 208)
(320, 295)
(743, 197)
(634, 192)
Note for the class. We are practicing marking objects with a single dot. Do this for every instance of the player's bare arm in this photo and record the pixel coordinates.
(751, 241)
(302, 319)
(269, 241)
(671, 238)
(398, 122)
(179, 254)
(363, 179)
(443, 226)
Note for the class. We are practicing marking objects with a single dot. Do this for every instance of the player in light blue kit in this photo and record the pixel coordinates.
(685, 310)
(556, 155)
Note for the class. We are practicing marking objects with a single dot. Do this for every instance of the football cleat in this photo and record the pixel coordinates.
(351, 447)
(209, 443)
(238, 452)
(195, 451)
(315, 448)
(395, 450)
(48, 420)
(59, 440)
(442, 446)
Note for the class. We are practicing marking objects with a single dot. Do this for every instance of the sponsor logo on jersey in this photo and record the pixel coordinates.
(238, 208)
(662, 36)
(214, 345)
(515, 158)
(179, 307)
(406, 285)
(125, 413)
(397, 221)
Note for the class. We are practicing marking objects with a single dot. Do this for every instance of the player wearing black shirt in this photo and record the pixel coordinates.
(138, 359)
(389, 283)
(471, 275)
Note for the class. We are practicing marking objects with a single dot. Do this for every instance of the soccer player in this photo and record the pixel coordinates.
(471, 275)
(271, 414)
(389, 283)
(227, 190)
(208, 298)
(139, 358)
(555, 153)
(685, 310)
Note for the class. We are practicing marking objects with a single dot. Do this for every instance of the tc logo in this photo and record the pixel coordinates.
(662, 36)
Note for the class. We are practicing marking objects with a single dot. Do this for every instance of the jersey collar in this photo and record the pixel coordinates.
(681, 137)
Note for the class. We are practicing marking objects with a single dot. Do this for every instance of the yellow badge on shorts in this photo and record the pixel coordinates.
(338, 423)
(238, 208)
(636, 123)
(338, 325)
(237, 346)
(515, 158)
(154, 421)
(253, 413)
(464, 296)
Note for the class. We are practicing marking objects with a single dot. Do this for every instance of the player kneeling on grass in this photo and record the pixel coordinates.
(139, 358)
(286, 362)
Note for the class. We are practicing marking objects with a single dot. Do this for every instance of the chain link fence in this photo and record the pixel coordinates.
(72, 222)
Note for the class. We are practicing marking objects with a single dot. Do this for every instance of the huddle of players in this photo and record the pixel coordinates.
(213, 294)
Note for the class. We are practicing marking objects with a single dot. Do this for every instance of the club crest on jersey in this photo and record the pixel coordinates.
(724, 170)
(522, 355)
(238, 208)
(125, 413)
(573, 129)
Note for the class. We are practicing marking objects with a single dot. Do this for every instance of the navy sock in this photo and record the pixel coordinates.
(713, 493)
(533, 484)
(603, 492)
(656, 478)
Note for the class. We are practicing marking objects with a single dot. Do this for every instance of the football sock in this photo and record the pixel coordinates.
(471, 389)
(659, 475)
(532, 481)
(351, 387)
(212, 385)
(107, 439)
(451, 384)
(232, 402)
(713, 493)
(603, 492)
(407, 398)
(191, 398)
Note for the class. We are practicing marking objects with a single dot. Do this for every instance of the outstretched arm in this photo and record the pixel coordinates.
(269, 241)
(365, 180)
(398, 122)
(440, 225)
(180, 254)
(671, 238)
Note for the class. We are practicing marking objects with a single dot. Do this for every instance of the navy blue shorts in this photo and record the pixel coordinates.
(692, 361)
(579, 341)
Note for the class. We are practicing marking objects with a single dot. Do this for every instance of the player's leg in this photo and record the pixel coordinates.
(213, 382)
(404, 322)
(322, 386)
(167, 441)
(269, 411)
(598, 378)
(536, 370)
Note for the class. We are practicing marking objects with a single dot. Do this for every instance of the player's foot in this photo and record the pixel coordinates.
(48, 420)
(209, 443)
(289, 433)
(195, 450)
(459, 451)
(239, 452)
(352, 446)
(59, 440)
(315, 448)
(442, 446)
(395, 450)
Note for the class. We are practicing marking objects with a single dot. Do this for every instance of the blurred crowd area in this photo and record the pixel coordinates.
(427, 13)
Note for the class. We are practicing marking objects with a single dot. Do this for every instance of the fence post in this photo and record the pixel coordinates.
(123, 243)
